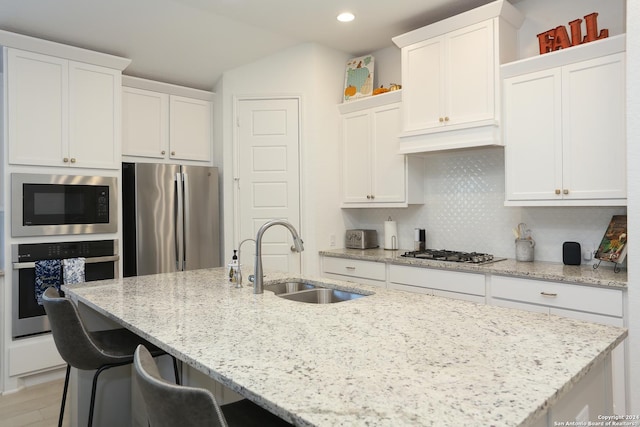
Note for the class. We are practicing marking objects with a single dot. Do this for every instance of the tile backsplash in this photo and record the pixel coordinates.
(464, 210)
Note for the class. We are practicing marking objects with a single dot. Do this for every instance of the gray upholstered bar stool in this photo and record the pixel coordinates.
(85, 350)
(170, 405)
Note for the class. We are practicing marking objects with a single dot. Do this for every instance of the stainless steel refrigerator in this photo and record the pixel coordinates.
(170, 218)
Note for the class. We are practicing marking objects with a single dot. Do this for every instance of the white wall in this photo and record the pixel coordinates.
(633, 178)
(316, 75)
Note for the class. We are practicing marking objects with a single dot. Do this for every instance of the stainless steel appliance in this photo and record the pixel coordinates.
(29, 318)
(62, 204)
(452, 256)
(170, 218)
(361, 239)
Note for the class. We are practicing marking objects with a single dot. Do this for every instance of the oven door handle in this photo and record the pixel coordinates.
(92, 260)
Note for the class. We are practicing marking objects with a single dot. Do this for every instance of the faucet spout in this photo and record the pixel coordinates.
(298, 246)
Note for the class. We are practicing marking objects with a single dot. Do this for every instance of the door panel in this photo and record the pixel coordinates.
(268, 185)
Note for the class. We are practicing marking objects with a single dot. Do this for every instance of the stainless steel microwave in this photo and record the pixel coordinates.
(44, 205)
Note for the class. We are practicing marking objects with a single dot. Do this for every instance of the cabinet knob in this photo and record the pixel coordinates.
(446, 119)
(557, 191)
(65, 160)
(163, 152)
(373, 197)
(441, 120)
(368, 196)
(565, 191)
(73, 160)
(173, 153)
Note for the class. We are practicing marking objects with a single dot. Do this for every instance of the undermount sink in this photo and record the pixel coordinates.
(301, 291)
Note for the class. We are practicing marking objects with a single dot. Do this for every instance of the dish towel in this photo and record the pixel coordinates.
(48, 273)
(73, 270)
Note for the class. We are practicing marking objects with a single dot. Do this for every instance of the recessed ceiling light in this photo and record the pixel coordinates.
(346, 17)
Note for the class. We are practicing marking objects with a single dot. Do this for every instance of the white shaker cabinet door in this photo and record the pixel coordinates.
(94, 116)
(389, 167)
(533, 135)
(594, 143)
(145, 123)
(190, 129)
(356, 160)
(37, 108)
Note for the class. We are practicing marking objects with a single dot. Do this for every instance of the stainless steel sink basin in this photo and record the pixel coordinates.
(321, 296)
(310, 292)
(288, 287)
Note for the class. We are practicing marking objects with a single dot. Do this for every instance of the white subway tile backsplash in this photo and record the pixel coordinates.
(464, 210)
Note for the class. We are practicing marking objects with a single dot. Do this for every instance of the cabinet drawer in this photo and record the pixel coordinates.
(354, 268)
(559, 295)
(452, 281)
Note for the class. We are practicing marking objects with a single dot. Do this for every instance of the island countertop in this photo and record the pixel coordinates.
(388, 359)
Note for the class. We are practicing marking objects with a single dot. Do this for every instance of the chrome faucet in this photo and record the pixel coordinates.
(298, 247)
(238, 272)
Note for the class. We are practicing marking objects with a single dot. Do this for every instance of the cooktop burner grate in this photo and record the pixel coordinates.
(452, 256)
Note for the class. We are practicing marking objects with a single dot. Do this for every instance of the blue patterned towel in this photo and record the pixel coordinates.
(73, 270)
(48, 273)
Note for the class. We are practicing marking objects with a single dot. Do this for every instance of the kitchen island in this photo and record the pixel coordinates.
(388, 359)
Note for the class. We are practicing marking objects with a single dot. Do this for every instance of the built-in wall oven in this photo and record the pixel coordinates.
(29, 318)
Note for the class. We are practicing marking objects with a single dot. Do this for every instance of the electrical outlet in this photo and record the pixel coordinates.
(332, 240)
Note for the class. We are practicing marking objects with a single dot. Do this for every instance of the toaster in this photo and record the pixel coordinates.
(361, 239)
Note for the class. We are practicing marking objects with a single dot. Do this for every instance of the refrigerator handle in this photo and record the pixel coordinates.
(179, 222)
(187, 217)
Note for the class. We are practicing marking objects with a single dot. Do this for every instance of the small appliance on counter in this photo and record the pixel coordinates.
(419, 239)
(361, 239)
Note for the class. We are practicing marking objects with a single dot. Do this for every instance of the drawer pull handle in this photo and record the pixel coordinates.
(350, 268)
(548, 294)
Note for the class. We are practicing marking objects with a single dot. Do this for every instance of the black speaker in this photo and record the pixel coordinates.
(571, 253)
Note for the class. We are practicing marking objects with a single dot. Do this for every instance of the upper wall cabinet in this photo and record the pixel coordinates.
(62, 112)
(450, 79)
(160, 125)
(564, 127)
(374, 174)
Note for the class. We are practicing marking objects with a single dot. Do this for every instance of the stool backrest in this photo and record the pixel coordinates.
(170, 404)
(69, 334)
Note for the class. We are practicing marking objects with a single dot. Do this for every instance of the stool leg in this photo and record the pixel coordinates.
(175, 370)
(93, 392)
(64, 395)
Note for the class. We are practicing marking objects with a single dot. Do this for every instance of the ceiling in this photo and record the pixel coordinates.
(192, 42)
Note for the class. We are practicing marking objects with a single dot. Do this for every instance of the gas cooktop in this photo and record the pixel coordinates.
(452, 256)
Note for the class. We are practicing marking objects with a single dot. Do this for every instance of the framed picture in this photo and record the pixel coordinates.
(358, 79)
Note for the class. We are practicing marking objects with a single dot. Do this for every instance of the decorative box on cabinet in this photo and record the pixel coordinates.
(374, 174)
(564, 144)
(450, 78)
(62, 112)
(166, 122)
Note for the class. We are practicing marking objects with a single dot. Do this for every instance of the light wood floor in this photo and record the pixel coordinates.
(36, 406)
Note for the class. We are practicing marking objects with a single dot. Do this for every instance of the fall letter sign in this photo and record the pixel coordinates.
(558, 38)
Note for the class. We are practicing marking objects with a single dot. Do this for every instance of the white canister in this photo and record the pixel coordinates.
(390, 235)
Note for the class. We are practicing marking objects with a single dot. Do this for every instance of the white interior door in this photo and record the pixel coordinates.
(268, 178)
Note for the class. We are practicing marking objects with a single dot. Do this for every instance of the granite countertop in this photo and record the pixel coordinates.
(391, 358)
(603, 276)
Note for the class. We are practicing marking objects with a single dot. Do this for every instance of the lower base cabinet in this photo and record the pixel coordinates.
(353, 270)
(449, 284)
(591, 304)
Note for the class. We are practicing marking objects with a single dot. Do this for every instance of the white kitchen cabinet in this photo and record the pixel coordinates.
(450, 284)
(374, 174)
(564, 146)
(353, 270)
(591, 304)
(62, 112)
(450, 78)
(164, 124)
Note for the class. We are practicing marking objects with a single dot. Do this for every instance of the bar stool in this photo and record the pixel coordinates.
(85, 350)
(171, 405)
